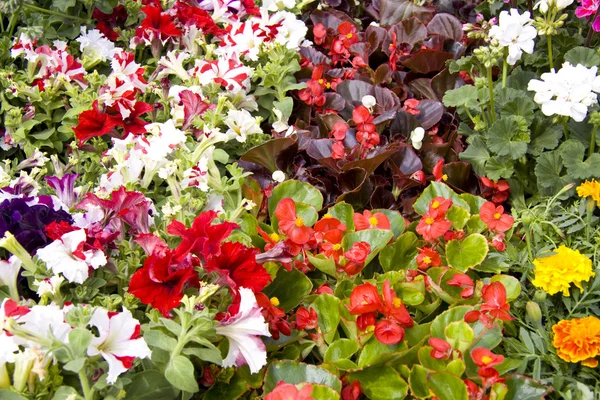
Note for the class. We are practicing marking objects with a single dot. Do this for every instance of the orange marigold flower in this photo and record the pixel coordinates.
(578, 340)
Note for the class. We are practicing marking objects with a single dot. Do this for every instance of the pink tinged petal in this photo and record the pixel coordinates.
(596, 24)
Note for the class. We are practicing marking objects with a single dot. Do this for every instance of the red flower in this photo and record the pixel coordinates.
(291, 224)
(352, 391)
(287, 391)
(94, 123)
(107, 22)
(337, 151)
(273, 315)
(332, 244)
(440, 205)
(366, 220)
(364, 299)
(388, 332)
(358, 252)
(464, 281)
(485, 360)
(494, 217)
(428, 257)
(320, 33)
(431, 226)
(157, 24)
(410, 106)
(363, 321)
(393, 308)
(306, 319)
(12, 309)
(203, 238)
(191, 15)
(497, 190)
(338, 132)
(498, 242)
(313, 94)
(366, 133)
(438, 171)
(160, 282)
(55, 230)
(494, 297)
(348, 34)
(441, 348)
(328, 223)
(237, 265)
(133, 124)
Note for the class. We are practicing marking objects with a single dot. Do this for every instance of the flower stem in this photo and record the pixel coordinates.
(504, 73)
(550, 52)
(85, 385)
(469, 114)
(50, 12)
(588, 39)
(592, 141)
(566, 128)
(528, 241)
(492, 109)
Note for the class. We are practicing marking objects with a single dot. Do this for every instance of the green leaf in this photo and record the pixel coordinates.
(458, 216)
(400, 254)
(444, 319)
(341, 349)
(298, 191)
(572, 152)
(294, 373)
(323, 392)
(156, 338)
(381, 383)
(511, 284)
(543, 137)
(290, 288)
(475, 202)
(522, 106)
(323, 263)
(234, 389)
(62, 393)
(505, 138)
(549, 171)
(149, 385)
(460, 335)
(344, 213)
(583, 55)
(75, 365)
(436, 189)
(499, 167)
(377, 239)
(476, 153)
(523, 388)
(447, 386)
(210, 354)
(7, 394)
(327, 308)
(396, 220)
(79, 340)
(418, 382)
(180, 373)
(467, 253)
(63, 5)
(463, 96)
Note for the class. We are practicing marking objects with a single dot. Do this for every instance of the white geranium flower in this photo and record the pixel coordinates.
(66, 256)
(9, 270)
(119, 337)
(95, 45)
(516, 32)
(568, 92)
(545, 5)
(416, 137)
(243, 331)
(241, 124)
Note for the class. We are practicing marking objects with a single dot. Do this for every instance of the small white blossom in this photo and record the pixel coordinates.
(278, 176)
(94, 45)
(368, 101)
(49, 286)
(416, 137)
(241, 124)
(516, 32)
(545, 5)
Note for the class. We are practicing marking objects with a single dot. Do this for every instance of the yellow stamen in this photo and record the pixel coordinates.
(444, 177)
(327, 216)
(274, 237)
(429, 221)
(321, 81)
(328, 85)
(337, 246)
(486, 359)
(274, 301)
(349, 35)
(497, 215)
(427, 260)
(299, 222)
(396, 302)
(373, 221)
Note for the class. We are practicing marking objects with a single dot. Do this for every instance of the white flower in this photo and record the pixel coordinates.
(275, 5)
(198, 175)
(278, 176)
(117, 339)
(215, 203)
(545, 5)
(369, 101)
(568, 92)
(49, 286)
(291, 31)
(9, 270)
(516, 32)
(66, 256)
(94, 45)
(416, 137)
(172, 64)
(243, 331)
(43, 320)
(241, 124)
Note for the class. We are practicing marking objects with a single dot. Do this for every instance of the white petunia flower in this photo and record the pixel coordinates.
(416, 137)
(516, 32)
(568, 92)
(172, 64)
(118, 341)
(276, 5)
(49, 286)
(243, 331)
(94, 45)
(241, 124)
(291, 31)
(9, 270)
(66, 256)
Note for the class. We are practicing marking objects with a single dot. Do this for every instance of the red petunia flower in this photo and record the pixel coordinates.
(161, 281)
(108, 22)
(93, 123)
(364, 299)
(157, 25)
(431, 226)
(191, 15)
(291, 224)
(494, 297)
(494, 217)
(237, 265)
(133, 124)
(388, 332)
(367, 220)
(428, 257)
(441, 348)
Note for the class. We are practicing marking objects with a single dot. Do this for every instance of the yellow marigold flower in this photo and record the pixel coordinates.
(578, 340)
(590, 189)
(555, 273)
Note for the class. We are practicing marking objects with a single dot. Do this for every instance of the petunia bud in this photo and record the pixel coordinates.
(533, 312)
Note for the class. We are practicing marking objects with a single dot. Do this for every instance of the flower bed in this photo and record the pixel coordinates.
(299, 200)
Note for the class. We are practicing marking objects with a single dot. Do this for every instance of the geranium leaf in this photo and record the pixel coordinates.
(467, 253)
(583, 55)
(505, 138)
(543, 137)
(549, 171)
(499, 167)
(477, 154)
(572, 153)
(462, 96)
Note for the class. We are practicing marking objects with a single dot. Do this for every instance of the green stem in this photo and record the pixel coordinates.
(13, 21)
(85, 385)
(588, 39)
(504, 72)
(566, 128)
(528, 241)
(592, 141)
(469, 114)
(50, 12)
(491, 89)
(550, 52)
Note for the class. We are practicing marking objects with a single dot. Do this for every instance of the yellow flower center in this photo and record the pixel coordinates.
(299, 222)
(337, 246)
(435, 204)
(373, 221)
(327, 216)
(396, 302)
(274, 237)
(328, 85)
(321, 81)
(427, 260)
(429, 221)
(486, 359)
(274, 301)
(497, 215)
(444, 177)
(349, 35)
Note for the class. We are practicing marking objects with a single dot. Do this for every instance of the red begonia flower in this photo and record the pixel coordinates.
(364, 299)
(388, 332)
(290, 223)
(495, 219)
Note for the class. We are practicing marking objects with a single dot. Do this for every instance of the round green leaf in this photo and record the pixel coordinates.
(399, 254)
(341, 349)
(444, 319)
(418, 382)
(294, 373)
(180, 373)
(327, 308)
(459, 334)
(436, 189)
(511, 284)
(467, 253)
(447, 386)
(298, 191)
(381, 383)
(290, 288)
(377, 239)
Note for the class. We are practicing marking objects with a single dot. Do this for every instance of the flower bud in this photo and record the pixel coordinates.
(533, 312)
(540, 295)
